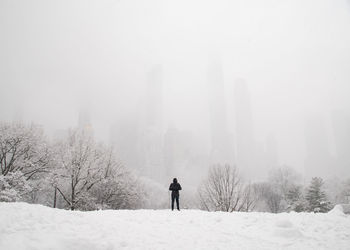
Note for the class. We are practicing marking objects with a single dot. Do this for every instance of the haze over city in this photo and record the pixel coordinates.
(250, 83)
(162, 124)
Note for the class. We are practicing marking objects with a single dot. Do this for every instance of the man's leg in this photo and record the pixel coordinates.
(172, 202)
(177, 202)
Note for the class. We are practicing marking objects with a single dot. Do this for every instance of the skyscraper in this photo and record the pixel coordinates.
(153, 101)
(222, 148)
(177, 151)
(152, 129)
(84, 120)
(125, 139)
(318, 161)
(138, 137)
(341, 132)
(270, 152)
(246, 146)
(185, 156)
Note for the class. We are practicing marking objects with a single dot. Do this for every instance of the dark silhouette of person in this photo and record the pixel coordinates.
(174, 188)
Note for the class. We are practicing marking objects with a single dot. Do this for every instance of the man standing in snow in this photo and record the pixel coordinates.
(175, 187)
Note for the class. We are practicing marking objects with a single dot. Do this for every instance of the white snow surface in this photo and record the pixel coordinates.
(25, 226)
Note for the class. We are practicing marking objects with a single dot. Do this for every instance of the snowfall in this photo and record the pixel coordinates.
(25, 226)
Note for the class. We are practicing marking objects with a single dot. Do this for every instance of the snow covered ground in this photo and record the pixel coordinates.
(24, 226)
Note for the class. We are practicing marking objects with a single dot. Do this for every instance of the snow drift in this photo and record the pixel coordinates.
(25, 226)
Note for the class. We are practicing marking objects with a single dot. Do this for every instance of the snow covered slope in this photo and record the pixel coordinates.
(24, 226)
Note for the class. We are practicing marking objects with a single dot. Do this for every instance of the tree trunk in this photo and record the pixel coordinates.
(55, 198)
(73, 195)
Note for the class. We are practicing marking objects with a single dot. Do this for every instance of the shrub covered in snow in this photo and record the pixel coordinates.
(223, 190)
(74, 172)
(24, 154)
(316, 197)
(89, 176)
(13, 187)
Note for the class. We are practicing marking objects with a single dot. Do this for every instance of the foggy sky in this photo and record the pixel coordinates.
(57, 57)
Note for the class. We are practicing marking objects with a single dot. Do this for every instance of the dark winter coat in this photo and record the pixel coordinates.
(175, 187)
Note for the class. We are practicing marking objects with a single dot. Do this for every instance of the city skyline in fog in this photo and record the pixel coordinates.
(293, 57)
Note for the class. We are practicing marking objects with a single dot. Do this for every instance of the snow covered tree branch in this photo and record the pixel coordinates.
(24, 154)
(223, 190)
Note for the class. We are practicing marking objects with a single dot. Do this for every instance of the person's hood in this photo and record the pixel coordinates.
(174, 180)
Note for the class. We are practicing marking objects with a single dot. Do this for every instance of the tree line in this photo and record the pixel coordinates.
(73, 172)
(76, 172)
(283, 191)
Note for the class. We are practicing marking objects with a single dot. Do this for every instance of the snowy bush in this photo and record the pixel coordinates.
(296, 200)
(13, 187)
(23, 148)
(281, 192)
(316, 197)
(284, 190)
(271, 197)
(79, 167)
(156, 195)
(223, 190)
(120, 189)
(338, 190)
(284, 179)
(24, 154)
(89, 176)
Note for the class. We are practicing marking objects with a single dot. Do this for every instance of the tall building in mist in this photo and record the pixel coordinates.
(177, 151)
(84, 120)
(138, 137)
(271, 152)
(152, 128)
(341, 132)
(154, 98)
(247, 160)
(18, 114)
(171, 151)
(185, 156)
(318, 161)
(221, 141)
(125, 139)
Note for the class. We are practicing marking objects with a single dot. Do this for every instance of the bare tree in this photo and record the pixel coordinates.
(274, 193)
(13, 187)
(80, 166)
(119, 189)
(23, 148)
(338, 190)
(284, 179)
(273, 201)
(345, 191)
(223, 190)
(271, 198)
(24, 157)
(250, 197)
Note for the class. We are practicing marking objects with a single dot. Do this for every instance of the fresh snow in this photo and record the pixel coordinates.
(25, 226)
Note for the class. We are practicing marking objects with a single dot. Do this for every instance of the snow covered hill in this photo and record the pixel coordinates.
(24, 226)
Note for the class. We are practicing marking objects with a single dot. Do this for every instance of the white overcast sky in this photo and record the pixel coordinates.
(57, 56)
